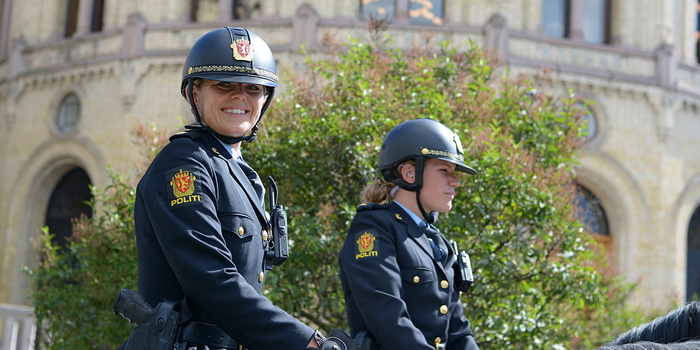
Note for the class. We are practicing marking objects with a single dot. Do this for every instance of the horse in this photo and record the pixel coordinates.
(645, 345)
(679, 329)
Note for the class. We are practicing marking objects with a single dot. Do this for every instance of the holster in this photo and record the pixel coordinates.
(157, 328)
(362, 341)
(159, 332)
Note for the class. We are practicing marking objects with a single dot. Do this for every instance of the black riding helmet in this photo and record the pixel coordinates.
(419, 139)
(233, 55)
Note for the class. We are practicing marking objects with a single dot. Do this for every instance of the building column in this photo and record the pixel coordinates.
(84, 17)
(225, 10)
(576, 20)
(401, 11)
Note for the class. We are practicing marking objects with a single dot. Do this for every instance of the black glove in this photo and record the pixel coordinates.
(330, 343)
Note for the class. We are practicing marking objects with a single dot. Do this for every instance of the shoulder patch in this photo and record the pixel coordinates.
(366, 247)
(184, 188)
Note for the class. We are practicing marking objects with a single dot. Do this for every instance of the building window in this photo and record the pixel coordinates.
(194, 5)
(68, 114)
(587, 20)
(426, 12)
(590, 122)
(418, 12)
(378, 9)
(693, 263)
(72, 18)
(239, 10)
(98, 7)
(591, 212)
(697, 31)
(217, 10)
(68, 202)
(5, 9)
(555, 14)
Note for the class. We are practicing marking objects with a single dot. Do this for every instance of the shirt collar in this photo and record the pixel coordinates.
(229, 148)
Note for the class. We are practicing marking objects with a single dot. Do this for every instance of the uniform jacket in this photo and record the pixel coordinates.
(393, 287)
(199, 232)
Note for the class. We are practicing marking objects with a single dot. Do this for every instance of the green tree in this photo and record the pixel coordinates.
(538, 284)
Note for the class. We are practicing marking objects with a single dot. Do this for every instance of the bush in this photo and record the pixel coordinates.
(75, 286)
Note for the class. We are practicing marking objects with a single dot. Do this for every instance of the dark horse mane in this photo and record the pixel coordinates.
(645, 345)
(676, 330)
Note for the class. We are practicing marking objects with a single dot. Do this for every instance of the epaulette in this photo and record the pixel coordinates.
(193, 132)
(371, 206)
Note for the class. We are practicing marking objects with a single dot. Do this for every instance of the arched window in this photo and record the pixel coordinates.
(693, 264)
(67, 202)
(590, 121)
(588, 20)
(68, 114)
(591, 212)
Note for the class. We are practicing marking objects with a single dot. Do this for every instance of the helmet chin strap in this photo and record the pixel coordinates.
(431, 217)
(416, 186)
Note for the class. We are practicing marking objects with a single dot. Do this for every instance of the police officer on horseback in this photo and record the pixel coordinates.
(203, 235)
(401, 277)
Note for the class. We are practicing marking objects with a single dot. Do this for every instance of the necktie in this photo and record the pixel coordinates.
(436, 242)
(254, 178)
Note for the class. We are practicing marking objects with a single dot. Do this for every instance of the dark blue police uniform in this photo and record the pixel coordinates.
(202, 232)
(394, 287)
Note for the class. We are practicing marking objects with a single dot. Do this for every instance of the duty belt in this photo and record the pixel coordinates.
(208, 334)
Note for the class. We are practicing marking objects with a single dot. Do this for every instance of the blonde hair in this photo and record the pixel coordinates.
(381, 191)
(378, 192)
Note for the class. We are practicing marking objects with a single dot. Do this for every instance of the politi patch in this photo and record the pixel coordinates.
(365, 246)
(184, 188)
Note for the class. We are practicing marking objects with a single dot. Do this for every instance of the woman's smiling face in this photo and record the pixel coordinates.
(230, 109)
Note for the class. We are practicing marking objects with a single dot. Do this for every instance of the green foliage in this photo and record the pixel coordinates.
(75, 286)
(538, 281)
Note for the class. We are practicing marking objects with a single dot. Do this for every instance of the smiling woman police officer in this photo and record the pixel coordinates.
(397, 270)
(201, 227)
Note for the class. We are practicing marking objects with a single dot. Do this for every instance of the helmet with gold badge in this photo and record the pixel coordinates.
(418, 139)
(230, 54)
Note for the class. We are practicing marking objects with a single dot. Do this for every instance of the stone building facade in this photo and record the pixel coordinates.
(76, 78)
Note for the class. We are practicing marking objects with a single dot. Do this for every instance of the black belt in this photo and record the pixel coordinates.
(207, 334)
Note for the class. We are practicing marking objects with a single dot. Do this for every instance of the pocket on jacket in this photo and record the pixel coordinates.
(239, 225)
(416, 275)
